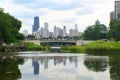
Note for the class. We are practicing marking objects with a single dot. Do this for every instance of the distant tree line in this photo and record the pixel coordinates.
(96, 32)
(9, 28)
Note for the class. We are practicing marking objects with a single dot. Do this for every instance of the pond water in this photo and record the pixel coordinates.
(59, 66)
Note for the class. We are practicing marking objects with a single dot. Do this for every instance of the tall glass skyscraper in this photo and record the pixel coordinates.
(35, 26)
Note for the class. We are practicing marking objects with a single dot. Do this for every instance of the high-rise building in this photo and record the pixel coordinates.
(45, 30)
(58, 32)
(114, 14)
(117, 8)
(97, 22)
(55, 31)
(64, 31)
(41, 32)
(25, 32)
(35, 26)
(76, 27)
(74, 32)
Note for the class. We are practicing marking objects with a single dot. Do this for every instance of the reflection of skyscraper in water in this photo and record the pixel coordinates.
(64, 61)
(46, 63)
(59, 60)
(35, 65)
(74, 60)
(55, 61)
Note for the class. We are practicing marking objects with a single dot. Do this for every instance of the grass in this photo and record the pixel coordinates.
(73, 49)
(100, 47)
(97, 47)
(33, 47)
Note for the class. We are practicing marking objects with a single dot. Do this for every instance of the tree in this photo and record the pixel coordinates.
(9, 27)
(95, 32)
(114, 31)
(30, 37)
(76, 37)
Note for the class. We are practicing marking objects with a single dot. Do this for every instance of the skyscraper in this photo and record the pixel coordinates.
(35, 26)
(45, 30)
(97, 22)
(64, 31)
(58, 32)
(25, 32)
(76, 27)
(117, 8)
(114, 14)
(55, 31)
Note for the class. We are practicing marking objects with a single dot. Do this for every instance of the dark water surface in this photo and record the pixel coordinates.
(59, 66)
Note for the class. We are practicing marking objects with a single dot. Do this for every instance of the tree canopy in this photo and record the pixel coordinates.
(95, 32)
(114, 31)
(9, 28)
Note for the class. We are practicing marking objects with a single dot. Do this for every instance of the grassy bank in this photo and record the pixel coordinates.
(73, 49)
(100, 47)
(33, 47)
(97, 47)
(20, 46)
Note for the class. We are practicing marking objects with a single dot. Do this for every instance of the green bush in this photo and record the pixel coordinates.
(33, 47)
(74, 49)
(97, 47)
(103, 47)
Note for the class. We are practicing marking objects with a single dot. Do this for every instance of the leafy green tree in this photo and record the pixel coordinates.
(95, 32)
(76, 37)
(114, 31)
(9, 27)
(30, 37)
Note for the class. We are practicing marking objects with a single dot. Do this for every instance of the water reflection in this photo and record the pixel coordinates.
(35, 65)
(44, 61)
(9, 68)
(96, 64)
(101, 64)
(114, 64)
(53, 67)
(65, 67)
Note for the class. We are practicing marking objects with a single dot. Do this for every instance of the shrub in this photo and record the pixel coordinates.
(76, 49)
(103, 47)
(33, 47)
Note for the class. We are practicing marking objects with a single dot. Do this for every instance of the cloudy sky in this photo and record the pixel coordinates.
(59, 12)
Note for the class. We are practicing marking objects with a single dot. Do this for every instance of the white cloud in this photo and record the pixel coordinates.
(59, 12)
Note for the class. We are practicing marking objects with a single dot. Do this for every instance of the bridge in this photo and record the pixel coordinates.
(57, 42)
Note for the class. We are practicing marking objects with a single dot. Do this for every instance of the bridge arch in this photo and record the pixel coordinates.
(57, 43)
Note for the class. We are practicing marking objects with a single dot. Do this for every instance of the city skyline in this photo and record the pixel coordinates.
(44, 32)
(60, 13)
